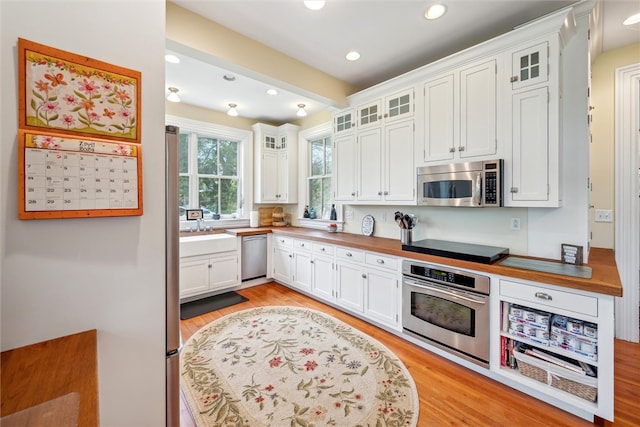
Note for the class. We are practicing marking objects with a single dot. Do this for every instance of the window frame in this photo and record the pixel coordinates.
(305, 138)
(245, 169)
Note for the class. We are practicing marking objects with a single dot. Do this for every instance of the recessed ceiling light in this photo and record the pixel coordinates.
(272, 91)
(435, 11)
(314, 4)
(353, 56)
(171, 59)
(229, 77)
(632, 20)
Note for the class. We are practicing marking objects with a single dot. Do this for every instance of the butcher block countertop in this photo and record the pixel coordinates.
(604, 278)
(52, 383)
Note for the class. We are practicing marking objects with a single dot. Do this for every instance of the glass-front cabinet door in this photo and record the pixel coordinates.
(369, 114)
(343, 122)
(530, 66)
(399, 105)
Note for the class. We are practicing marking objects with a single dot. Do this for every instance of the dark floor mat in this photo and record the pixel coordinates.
(205, 305)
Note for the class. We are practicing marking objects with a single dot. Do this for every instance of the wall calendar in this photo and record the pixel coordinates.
(79, 142)
(67, 177)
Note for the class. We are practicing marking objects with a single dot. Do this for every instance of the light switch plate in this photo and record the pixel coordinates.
(604, 215)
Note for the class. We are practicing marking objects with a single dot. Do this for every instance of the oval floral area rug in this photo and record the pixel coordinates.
(292, 366)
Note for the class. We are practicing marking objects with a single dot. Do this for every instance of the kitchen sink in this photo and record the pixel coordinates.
(207, 244)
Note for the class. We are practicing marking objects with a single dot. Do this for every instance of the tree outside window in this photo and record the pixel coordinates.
(320, 174)
(209, 174)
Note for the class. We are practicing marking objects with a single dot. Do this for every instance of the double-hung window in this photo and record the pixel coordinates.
(319, 177)
(209, 177)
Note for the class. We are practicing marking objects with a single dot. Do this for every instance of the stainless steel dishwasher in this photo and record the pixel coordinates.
(254, 256)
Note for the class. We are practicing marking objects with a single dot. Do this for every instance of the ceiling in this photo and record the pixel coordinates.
(392, 36)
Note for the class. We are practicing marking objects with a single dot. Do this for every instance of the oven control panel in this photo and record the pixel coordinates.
(461, 279)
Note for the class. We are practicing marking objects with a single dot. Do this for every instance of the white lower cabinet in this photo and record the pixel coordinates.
(538, 320)
(302, 271)
(381, 297)
(282, 259)
(350, 285)
(323, 277)
(207, 273)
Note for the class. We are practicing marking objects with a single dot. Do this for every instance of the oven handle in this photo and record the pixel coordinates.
(442, 291)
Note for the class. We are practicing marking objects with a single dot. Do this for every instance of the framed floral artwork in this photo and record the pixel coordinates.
(64, 92)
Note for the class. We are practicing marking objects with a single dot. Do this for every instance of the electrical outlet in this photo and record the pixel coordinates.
(515, 224)
(604, 215)
(348, 214)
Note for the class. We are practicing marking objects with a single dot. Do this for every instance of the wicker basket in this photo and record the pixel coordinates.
(279, 217)
(556, 376)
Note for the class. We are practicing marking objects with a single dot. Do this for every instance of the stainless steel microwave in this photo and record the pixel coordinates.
(471, 184)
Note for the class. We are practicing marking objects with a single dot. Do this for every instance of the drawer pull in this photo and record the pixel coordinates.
(302, 245)
(380, 261)
(544, 296)
(364, 276)
(281, 240)
(349, 254)
(322, 249)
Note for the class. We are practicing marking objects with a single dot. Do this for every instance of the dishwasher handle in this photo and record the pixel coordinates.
(256, 237)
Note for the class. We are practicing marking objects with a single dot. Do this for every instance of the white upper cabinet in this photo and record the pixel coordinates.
(530, 66)
(276, 163)
(376, 163)
(534, 180)
(460, 113)
(344, 122)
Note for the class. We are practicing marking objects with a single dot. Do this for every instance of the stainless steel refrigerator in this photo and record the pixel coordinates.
(173, 338)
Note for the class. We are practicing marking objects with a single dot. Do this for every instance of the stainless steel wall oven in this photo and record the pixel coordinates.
(447, 308)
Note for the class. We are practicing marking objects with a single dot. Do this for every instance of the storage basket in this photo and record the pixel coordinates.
(279, 217)
(556, 376)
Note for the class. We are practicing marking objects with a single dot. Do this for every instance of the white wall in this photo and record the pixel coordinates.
(64, 276)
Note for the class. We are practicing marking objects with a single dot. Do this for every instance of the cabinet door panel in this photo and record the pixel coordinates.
(350, 286)
(478, 110)
(530, 146)
(344, 173)
(439, 113)
(302, 270)
(269, 181)
(224, 272)
(530, 66)
(282, 264)
(370, 165)
(401, 173)
(194, 277)
(381, 297)
(323, 277)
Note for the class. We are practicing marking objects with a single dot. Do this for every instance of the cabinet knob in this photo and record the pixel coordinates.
(380, 261)
(452, 149)
(364, 276)
(543, 296)
(353, 194)
(349, 254)
(302, 245)
(514, 189)
(386, 193)
(514, 79)
(311, 261)
(322, 249)
(461, 148)
(290, 255)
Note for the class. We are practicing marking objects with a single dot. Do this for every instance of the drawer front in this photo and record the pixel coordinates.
(550, 297)
(381, 261)
(349, 254)
(283, 241)
(321, 248)
(303, 245)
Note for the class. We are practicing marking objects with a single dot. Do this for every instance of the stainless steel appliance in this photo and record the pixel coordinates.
(172, 285)
(254, 257)
(470, 184)
(447, 308)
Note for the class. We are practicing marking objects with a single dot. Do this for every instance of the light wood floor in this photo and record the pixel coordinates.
(450, 394)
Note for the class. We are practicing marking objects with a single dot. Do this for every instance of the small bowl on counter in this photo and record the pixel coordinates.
(332, 228)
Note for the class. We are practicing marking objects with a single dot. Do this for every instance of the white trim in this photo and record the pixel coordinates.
(304, 137)
(245, 137)
(627, 204)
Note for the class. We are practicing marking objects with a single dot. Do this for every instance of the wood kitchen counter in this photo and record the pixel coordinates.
(53, 382)
(605, 278)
